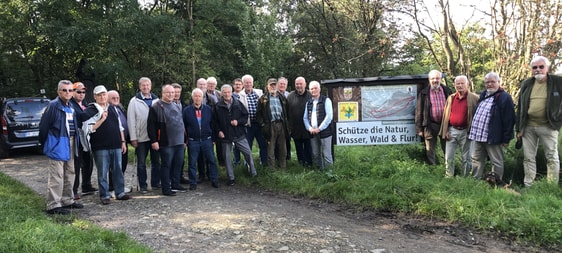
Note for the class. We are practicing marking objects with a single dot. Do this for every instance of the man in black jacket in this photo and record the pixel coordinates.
(429, 113)
(230, 116)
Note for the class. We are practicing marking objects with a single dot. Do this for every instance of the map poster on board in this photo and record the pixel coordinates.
(375, 115)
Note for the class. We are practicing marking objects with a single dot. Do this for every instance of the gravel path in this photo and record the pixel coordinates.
(241, 219)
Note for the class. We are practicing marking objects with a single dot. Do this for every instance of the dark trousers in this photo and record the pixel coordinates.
(254, 131)
(304, 151)
(85, 166)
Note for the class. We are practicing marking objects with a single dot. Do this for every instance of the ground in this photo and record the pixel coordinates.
(245, 219)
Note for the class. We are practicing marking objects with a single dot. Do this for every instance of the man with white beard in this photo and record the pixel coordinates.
(539, 118)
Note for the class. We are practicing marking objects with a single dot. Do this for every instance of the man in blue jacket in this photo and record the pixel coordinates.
(58, 133)
(197, 119)
(492, 126)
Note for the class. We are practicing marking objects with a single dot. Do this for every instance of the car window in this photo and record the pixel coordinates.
(29, 110)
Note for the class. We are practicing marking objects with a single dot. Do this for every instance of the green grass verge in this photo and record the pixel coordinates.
(396, 178)
(25, 227)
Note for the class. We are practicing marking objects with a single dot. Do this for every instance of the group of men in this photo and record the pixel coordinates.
(483, 125)
(76, 135)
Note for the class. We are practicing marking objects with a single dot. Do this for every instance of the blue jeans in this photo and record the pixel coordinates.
(304, 151)
(254, 131)
(172, 159)
(104, 159)
(142, 151)
(204, 147)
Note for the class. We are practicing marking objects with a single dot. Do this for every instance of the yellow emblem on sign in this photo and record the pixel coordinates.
(348, 111)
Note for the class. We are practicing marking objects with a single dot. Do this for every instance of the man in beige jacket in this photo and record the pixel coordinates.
(455, 125)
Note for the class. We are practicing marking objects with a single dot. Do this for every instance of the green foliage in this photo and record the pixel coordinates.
(24, 227)
(396, 178)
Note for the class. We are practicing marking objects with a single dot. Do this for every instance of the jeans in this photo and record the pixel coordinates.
(172, 159)
(105, 159)
(549, 139)
(204, 147)
(458, 139)
(254, 131)
(141, 152)
(322, 151)
(124, 162)
(483, 150)
(304, 151)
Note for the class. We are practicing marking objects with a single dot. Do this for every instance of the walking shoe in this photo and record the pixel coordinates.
(201, 178)
(215, 184)
(143, 191)
(170, 193)
(105, 201)
(193, 187)
(74, 205)
(76, 196)
(125, 197)
(184, 180)
(112, 194)
(58, 210)
(231, 182)
(89, 191)
(179, 188)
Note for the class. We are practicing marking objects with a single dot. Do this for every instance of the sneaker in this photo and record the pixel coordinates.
(231, 182)
(125, 197)
(193, 187)
(105, 201)
(112, 194)
(89, 191)
(184, 180)
(170, 193)
(215, 184)
(143, 191)
(58, 210)
(179, 188)
(74, 205)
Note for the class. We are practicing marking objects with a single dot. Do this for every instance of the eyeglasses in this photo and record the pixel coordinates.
(81, 92)
(538, 67)
(116, 98)
(65, 90)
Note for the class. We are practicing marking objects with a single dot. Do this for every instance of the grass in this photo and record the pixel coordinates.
(25, 227)
(396, 178)
(387, 178)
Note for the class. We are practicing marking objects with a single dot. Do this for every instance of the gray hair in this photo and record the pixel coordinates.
(247, 77)
(461, 77)
(493, 75)
(63, 82)
(541, 58)
(145, 79)
(226, 86)
(200, 91)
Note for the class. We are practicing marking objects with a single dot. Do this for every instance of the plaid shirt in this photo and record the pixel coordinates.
(252, 99)
(438, 100)
(481, 121)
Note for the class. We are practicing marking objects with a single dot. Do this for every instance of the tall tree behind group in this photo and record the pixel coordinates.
(508, 34)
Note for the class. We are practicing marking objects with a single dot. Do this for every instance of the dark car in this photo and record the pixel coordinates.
(20, 123)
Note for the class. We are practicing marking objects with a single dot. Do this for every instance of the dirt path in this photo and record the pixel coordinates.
(240, 219)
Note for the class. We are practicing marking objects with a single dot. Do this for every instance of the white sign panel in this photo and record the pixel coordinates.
(376, 133)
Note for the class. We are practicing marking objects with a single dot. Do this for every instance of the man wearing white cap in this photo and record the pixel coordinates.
(107, 141)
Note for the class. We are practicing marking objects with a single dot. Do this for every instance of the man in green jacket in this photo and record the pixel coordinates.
(539, 117)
